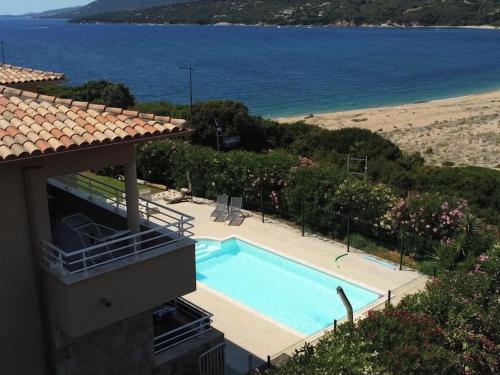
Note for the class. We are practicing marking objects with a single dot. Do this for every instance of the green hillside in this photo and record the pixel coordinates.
(316, 12)
(103, 6)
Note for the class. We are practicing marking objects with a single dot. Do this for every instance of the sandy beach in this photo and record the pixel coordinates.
(463, 130)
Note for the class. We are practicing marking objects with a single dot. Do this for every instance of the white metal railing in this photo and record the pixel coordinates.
(200, 324)
(94, 189)
(170, 226)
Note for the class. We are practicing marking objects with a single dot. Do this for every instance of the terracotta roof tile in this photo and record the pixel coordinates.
(35, 125)
(11, 75)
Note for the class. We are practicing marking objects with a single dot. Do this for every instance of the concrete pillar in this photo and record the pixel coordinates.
(37, 202)
(132, 196)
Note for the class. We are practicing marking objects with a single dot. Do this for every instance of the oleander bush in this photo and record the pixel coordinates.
(427, 220)
(479, 186)
(449, 328)
(286, 182)
(237, 173)
(431, 222)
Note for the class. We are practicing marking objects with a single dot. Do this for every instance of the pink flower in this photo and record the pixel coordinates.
(483, 258)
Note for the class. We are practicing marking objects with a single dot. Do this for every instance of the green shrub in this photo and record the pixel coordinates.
(326, 193)
(163, 108)
(315, 188)
(467, 307)
(99, 92)
(427, 220)
(237, 173)
(479, 186)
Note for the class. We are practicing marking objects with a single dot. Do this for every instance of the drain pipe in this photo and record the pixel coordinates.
(346, 303)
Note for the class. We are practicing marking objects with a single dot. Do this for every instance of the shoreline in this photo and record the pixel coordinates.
(339, 25)
(463, 130)
(307, 116)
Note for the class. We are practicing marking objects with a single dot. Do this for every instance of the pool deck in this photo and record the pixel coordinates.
(248, 332)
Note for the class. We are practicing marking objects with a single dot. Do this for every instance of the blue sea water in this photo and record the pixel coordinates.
(290, 293)
(274, 71)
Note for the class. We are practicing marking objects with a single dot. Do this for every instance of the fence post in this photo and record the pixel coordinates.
(389, 298)
(90, 188)
(302, 220)
(335, 325)
(261, 195)
(402, 251)
(62, 271)
(86, 271)
(117, 197)
(348, 232)
(268, 361)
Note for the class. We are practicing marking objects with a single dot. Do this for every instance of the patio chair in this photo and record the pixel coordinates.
(221, 208)
(235, 216)
(91, 233)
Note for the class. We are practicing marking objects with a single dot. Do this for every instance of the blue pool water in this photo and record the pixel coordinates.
(275, 72)
(288, 292)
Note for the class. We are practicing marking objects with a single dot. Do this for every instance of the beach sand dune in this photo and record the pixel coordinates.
(463, 131)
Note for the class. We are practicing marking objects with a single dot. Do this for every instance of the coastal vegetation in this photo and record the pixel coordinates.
(314, 12)
(298, 166)
(98, 92)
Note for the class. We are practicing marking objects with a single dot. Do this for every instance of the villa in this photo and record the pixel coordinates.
(92, 278)
(103, 280)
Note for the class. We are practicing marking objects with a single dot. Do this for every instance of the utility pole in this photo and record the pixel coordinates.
(190, 68)
(3, 51)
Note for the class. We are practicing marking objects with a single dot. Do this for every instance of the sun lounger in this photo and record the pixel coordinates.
(221, 208)
(234, 216)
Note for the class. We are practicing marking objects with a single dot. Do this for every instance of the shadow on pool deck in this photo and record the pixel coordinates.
(239, 360)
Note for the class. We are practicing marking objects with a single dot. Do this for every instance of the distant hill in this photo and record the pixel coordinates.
(103, 6)
(54, 13)
(315, 12)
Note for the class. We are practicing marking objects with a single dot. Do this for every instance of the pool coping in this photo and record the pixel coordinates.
(301, 335)
(253, 311)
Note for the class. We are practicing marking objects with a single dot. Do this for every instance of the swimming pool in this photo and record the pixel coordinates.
(302, 298)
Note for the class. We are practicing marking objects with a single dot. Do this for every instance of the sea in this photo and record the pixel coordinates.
(275, 71)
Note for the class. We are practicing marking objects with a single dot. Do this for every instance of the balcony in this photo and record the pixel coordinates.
(177, 322)
(162, 229)
(98, 278)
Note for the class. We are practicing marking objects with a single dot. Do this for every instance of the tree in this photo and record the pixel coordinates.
(98, 92)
